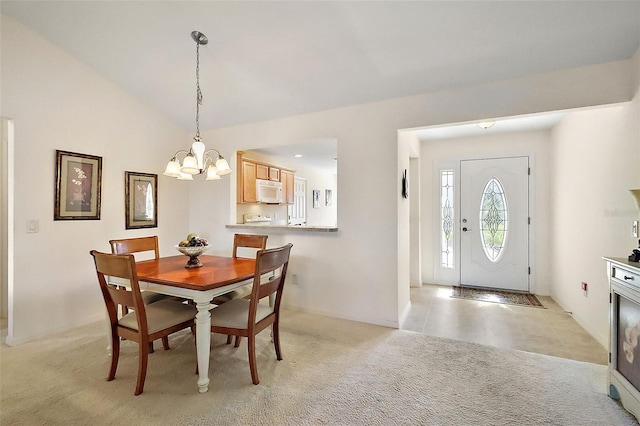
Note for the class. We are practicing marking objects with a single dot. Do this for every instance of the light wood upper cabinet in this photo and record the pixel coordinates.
(267, 172)
(274, 174)
(262, 171)
(287, 179)
(247, 188)
(252, 170)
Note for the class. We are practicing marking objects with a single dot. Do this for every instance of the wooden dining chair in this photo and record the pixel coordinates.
(144, 323)
(248, 317)
(137, 246)
(141, 245)
(258, 242)
(249, 241)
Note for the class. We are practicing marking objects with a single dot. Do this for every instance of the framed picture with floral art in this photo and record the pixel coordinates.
(78, 186)
(141, 200)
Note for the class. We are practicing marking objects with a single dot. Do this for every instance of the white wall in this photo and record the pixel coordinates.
(361, 272)
(596, 158)
(595, 161)
(6, 220)
(403, 255)
(57, 102)
(357, 273)
(414, 188)
(317, 179)
(446, 154)
(319, 259)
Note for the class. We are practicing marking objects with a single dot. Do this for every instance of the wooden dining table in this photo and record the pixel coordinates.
(216, 276)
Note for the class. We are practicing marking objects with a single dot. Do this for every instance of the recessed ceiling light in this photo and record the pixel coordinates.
(486, 124)
(298, 155)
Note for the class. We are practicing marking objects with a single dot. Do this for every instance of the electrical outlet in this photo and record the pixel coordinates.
(294, 279)
(634, 229)
(33, 226)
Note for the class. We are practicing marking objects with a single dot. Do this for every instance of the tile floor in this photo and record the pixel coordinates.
(549, 331)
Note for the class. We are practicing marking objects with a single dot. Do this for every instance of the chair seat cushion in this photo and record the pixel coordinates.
(150, 297)
(235, 314)
(238, 293)
(161, 315)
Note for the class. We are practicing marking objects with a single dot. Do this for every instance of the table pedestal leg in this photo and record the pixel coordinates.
(203, 342)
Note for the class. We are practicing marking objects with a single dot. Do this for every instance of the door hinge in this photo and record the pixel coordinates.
(609, 357)
(529, 220)
(529, 171)
(610, 299)
(529, 270)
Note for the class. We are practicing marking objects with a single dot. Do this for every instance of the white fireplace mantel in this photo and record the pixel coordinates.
(624, 332)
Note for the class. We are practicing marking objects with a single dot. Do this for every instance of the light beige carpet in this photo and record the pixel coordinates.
(334, 372)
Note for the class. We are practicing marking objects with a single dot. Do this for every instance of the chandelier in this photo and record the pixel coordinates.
(198, 160)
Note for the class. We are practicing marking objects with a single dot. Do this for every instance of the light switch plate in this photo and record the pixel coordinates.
(634, 229)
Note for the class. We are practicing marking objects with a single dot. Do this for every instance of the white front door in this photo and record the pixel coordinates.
(494, 223)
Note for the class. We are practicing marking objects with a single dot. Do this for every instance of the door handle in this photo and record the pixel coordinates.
(465, 229)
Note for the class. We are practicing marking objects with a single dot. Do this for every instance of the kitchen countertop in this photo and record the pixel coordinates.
(295, 228)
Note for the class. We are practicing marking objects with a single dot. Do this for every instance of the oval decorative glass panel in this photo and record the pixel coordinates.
(493, 219)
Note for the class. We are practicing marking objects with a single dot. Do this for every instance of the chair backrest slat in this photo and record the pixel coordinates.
(248, 241)
(136, 245)
(269, 287)
(121, 296)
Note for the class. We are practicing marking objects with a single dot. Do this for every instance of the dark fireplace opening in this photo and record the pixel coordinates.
(628, 340)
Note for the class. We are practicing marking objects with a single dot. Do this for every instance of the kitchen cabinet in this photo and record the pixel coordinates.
(287, 179)
(266, 172)
(251, 170)
(262, 171)
(274, 174)
(247, 186)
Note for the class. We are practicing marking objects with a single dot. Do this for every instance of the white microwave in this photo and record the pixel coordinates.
(268, 191)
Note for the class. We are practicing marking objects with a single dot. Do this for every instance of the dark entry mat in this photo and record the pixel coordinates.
(496, 296)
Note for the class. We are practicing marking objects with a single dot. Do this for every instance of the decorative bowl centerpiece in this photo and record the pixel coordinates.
(193, 247)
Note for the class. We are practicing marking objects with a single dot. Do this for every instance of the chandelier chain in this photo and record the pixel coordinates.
(198, 91)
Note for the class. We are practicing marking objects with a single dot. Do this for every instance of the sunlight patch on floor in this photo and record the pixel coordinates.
(549, 331)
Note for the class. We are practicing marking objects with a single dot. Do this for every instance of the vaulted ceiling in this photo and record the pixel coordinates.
(273, 59)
